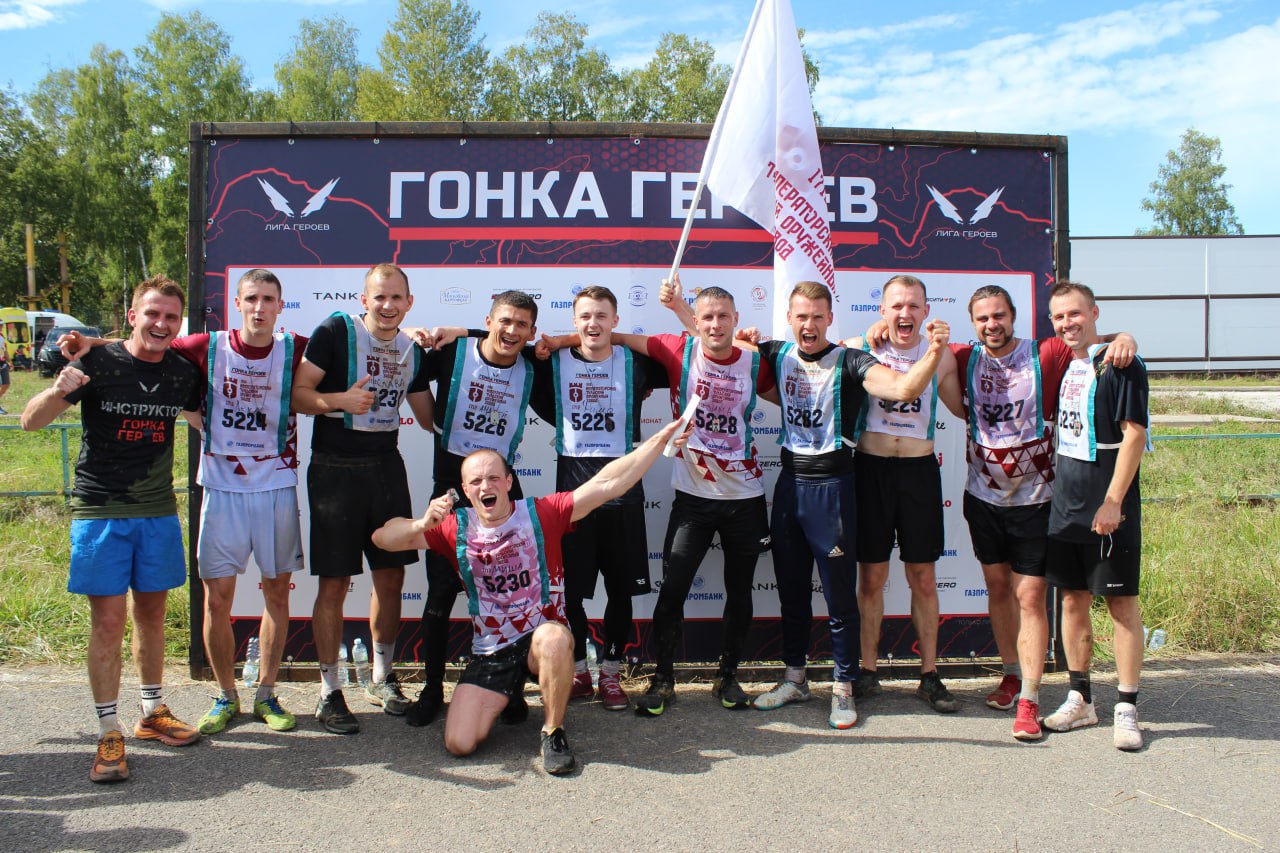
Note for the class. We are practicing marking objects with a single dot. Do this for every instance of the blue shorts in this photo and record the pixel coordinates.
(110, 556)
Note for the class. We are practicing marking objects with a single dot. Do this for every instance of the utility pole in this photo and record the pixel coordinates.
(33, 300)
(64, 276)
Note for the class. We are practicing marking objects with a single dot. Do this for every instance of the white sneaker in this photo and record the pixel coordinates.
(1075, 713)
(1127, 735)
(844, 714)
(783, 692)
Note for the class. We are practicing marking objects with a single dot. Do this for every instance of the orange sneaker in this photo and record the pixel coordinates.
(163, 726)
(109, 764)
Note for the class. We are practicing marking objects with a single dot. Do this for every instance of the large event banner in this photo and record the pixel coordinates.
(470, 216)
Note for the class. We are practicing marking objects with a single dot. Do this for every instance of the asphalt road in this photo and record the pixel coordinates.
(699, 777)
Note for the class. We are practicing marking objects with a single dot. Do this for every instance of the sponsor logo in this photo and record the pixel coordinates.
(875, 293)
(638, 295)
(335, 296)
(950, 552)
(949, 210)
(653, 504)
(575, 290)
(293, 305)
(946, 584)
(532, 294)
(864, 306)
(455, 296)
(531, 421)
(757, 416)
(766, 430)
(528, 472)
(699, 582)
(758, 295)
(653, 421)
(656, 555)
(637, 330)
(410, 596)
(313, 205)
(518, 458)
(975, 593)
(768, 462)
(562, 303)
(704, 596)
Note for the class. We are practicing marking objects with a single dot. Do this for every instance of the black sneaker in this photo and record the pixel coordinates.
(867, 685)
(730, 693)
(933, 691)
(557, 758)
(652, 702)
(427, 708)
(333, 715)
(517, 711)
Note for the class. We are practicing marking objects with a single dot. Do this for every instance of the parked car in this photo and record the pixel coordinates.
(50, 359)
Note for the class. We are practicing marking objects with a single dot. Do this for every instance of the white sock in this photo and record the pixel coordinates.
(107, 720)
(231, 695)
(610, 667)
(329, 682)
(1012, 669)
(1031, 692)
(152, 698)
(580, 666)
(795, 674)
(382, 660)
(264, 692)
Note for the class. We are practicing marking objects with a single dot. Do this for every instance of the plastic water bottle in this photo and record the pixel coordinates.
(1146, 636)
(360, 655)
(343, 678)
(252, 663)
(1158, 638)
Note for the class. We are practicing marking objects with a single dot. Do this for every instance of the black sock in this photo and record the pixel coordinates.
(1131, 698)
(870, 672)
(1080, 684)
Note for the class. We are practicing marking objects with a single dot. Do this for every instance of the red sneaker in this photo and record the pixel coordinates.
(1027, 724)
(1006, 694)
(612, 695)
(582, 687)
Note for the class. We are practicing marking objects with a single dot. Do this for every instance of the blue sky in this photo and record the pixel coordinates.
(1120, 80)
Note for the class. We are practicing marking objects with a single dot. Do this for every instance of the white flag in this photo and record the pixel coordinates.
(763, 158)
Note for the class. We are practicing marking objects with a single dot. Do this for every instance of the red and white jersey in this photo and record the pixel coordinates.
(513, 573)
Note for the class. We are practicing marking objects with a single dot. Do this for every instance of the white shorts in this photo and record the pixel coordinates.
(234, 525)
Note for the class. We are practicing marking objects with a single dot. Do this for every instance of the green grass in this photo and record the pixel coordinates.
(1205, 404)
(1217, 380)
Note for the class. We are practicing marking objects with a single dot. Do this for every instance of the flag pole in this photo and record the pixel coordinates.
(713, 142)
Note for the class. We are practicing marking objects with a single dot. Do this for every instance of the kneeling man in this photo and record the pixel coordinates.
(509, 557)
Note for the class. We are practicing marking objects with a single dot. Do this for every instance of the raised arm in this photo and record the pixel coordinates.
(614, 479)
(409, 534)
(307, 400)
(44, 408)
(949, 390)
(889, 384)
(1121, 349)
(671, 295)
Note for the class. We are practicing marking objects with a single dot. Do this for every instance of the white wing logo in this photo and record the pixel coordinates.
(949, 210)
(280, 203)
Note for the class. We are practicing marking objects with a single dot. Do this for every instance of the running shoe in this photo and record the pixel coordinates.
(1075, 713)
(867, 685)
(661, 692)
(163, 726)
(109, 764)
(582, 688)
(516, 711)
(933, 691)
(557, 758)
(424, 711)
(1026, 726)
(730, 693)
(1126, 734)
(1006, 693)
(271, 712)
(612, 696)
(844, 713)
(780, 694)
(333, 714)
(219, 715)
(388, 695)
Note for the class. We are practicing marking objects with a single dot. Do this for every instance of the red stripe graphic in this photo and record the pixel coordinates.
(614, 233)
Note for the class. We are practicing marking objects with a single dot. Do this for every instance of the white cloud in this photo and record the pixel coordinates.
(25, 14)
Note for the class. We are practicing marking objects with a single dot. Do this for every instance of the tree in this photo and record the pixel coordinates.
(186, 73)
(432, 66)
(1188, 196)
(317, 82)
(553, 76)
(682, 82)
(29, 191)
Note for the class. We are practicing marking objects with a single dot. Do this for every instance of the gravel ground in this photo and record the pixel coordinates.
(699, 777)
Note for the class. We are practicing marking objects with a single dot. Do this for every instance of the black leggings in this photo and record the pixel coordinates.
(743, 526)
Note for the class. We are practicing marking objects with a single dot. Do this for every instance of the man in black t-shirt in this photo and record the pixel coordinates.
(356, 478)
(1095, 522)
(124, 517)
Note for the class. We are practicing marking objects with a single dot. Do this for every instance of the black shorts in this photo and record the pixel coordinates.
(349, 499)
(610, 541)
(1008, 534)
(505, 671)
(899, 500)
(1100, 567)
(743, 523)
